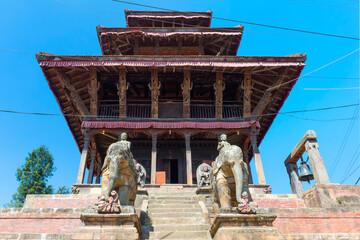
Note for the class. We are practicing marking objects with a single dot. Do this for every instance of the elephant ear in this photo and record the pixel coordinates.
(220, 159)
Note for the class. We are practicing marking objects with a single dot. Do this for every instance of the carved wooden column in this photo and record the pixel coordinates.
(188, 159)
(316, 162)
(246, 158)
(153, 157)
(84, 154)
(93, 159)
(186, 87)
(219, 87)
(93, 88)
(154, 87)
(122, 87)
(257, 158)
(99, 166)
(247, 94)
(296, 185)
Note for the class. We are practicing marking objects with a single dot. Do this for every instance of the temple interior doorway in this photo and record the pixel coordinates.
(170, 166)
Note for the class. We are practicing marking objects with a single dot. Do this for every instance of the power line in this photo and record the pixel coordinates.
(330, 89)
(323, 120)
(350, 165)
(344, 141)
(328, 64)
(245, 22)
(327, 5)
(353, 171)
(268, 114)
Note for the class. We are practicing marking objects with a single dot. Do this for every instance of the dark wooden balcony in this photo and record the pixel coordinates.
(169, 110)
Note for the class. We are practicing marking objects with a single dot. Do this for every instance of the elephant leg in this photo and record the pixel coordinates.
(113, 176)
(124, 194)
(224, 193)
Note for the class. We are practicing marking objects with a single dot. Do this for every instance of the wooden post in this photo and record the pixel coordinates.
(157, 50)
(153, 157)
(296, 186)
(219, 87)
(186, 87)
(246, 158)
(122, 87)
(93, 88)
(201, 46)
(257, 158)
(316, 162)
(188, 159)
(154, 87)
(136, 46)
(99, 165)
(179, 45)
(247, 94)
(92, 163)
(84, 154)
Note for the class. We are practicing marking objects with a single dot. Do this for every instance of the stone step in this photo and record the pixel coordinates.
(175, 215)
(151, 206)
(171, 197)
(166, 210)
(179, 220)
(175, 227)
(180, 235)
(173, 201)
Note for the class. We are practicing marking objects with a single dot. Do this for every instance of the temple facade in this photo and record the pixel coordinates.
(173, 84)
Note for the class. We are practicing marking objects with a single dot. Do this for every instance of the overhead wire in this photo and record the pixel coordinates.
(245, 22)
(343, 143)
(353, 171)
(350, 165)
(259, 115)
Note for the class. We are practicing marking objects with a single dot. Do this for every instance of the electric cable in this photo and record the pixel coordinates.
(245, 22)
(350, 165)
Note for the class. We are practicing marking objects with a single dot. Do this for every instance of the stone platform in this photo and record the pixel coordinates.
(109, 226)
(244, 226)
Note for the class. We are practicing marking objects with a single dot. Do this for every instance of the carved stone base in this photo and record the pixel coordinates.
(109, 226)
(244, 226)
(203, 190)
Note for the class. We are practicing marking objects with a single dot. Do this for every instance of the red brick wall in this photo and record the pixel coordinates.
(280, 202)
(39, 223)
(60, 203)
(336, 222)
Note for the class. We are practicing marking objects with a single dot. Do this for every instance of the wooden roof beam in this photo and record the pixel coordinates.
(267, 97)
(74, 96)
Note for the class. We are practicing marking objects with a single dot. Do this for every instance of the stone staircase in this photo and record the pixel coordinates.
(175, 215)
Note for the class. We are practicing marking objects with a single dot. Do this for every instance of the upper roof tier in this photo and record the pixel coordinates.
(169, 41)
(167, 19)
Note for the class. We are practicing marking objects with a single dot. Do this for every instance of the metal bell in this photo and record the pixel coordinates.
(305, 172)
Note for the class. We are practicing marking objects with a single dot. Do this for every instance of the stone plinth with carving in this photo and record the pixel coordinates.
(109, 226)
(244, 226)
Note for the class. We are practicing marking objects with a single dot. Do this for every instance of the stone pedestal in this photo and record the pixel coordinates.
(109, 226)
(244, 226)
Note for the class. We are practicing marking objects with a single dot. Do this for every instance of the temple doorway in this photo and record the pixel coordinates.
(170, 166)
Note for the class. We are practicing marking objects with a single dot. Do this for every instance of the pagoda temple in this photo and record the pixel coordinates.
(179, 91)
(173, 84)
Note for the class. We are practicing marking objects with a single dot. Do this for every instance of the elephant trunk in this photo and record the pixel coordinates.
(238, 176)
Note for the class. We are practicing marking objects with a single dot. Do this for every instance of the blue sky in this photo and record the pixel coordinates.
(59, 28)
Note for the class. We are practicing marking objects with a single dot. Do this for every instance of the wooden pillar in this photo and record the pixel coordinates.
(122, 87)
(84, 154)
(186, 87)
(153, 157)
(188, 159)
(179, 45)
(316, 162)
(201, 46)
(93, 88)
(157, 50)
(296, 185)
(154, 87)
(219, 87)
(257, 158)
(247, 94)
(246, 158)
(92, 163)
(136, 39)
(98, 172)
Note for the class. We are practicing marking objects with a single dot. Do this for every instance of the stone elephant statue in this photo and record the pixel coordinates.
(119, 178)
(229, 181)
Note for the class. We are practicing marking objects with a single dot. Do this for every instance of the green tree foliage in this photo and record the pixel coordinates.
(63, 190)
(33, 176)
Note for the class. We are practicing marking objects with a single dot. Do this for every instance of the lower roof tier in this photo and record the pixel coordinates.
(265, 73)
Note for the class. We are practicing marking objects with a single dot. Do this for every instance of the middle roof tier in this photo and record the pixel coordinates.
(170, 41)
